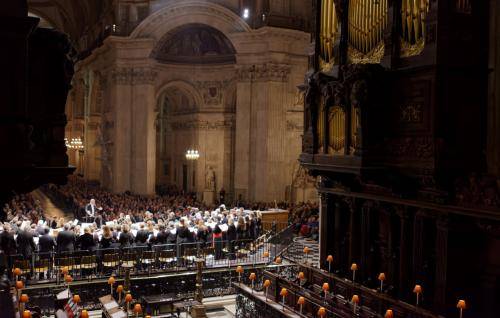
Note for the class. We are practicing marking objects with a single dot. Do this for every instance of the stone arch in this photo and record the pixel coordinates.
(186, 87)
(179, 13)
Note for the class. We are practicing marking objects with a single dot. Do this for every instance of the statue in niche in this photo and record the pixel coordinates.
(210, 179)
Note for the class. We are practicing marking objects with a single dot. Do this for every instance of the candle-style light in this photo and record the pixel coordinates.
(321, 312)
(301, 301)
(306, 251)
(329, 259)
(76, 300)
(137, 310)
(19, 288)
(461, 306)
(277, 261)
(252, 278)
(68, 279)
(354, 268)
(23, 299)
(119, 290)
(381, 278)
(128, 299)
(266, 285)
(239, 270)
(111, 282)
(326, 288)
(17, 272)
(389, 314)
(417, 290)
(283, 294)
(301, 278)
(355, 302)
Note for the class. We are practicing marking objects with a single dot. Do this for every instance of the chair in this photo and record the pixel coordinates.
(190, 254)
(148, 259)
(167, 257)
(129, 259)
(111, 261)
(88, 263)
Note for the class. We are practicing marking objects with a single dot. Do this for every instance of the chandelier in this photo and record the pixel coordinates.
(192, 154)
(75, 143)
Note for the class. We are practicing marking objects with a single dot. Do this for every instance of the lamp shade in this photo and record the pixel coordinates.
(26, 314)
(381, 276)
(17, 271)
(389, 314)
(461, 304)
(76, 298)
(301, 275)
(417, 289)
(252, 276)
(24, 298)
(128, 298)
(329, 258)
(111, 280)
(119, 288)
(68, 278)
(301, 301)
(321, 311)
(19, 284)
(84, 314)
(265, 254)
(283, 292)
(65, 270)
(307, 250)
(326, 287)
(267, 283)
(278, 260)
(355, 299)
(137, 308)
(239, 269)
(354, 267)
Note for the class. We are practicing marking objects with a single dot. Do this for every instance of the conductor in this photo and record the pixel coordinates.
(90, 210)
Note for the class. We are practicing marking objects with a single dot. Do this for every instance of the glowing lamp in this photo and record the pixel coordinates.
(307, 250)
(239, 269)
(252, 276)
(278, 260)
(24, 298)
(417, 290)
(68, 279)
(301, 275)
(26, 314)
(76, 298)
(283, 292)
(321, 312)
(461, 306)
(17, 271)
(65, 270)
(137, 308)
(84, 314)
(265, 254)
(111, 280)
(119, 288)
(301, 301)
(266, 285)
(381, 278)
(355, 299)
(128, 298)
(354, 268)
(329, 259)
(19, 285)
(389, 314)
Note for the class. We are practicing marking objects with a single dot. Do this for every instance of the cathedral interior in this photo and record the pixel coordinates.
(250, 158)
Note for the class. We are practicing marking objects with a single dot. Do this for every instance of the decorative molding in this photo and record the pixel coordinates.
(212, 91)
(411, 147)
(203, 124)
(133, 76)
(294, 126)
(411, 113)
(264, 72)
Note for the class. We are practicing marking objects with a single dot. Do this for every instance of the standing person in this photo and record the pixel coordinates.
(91, 210)
(217, 241)
(65, 240)
(230, 235)
(86, 241)
(126, 238)
(25, 243)
(46, 243)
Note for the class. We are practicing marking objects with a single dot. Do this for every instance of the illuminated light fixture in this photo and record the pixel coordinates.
(246, 13)
(75, 143)
(192, 154)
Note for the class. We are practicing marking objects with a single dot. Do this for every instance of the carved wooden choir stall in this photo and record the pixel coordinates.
(394, 125)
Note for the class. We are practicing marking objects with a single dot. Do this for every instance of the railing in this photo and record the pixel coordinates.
(47, 267)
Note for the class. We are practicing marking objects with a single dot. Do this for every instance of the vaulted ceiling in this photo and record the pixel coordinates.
(74, 17)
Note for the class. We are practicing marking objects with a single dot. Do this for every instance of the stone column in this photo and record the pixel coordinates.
(326, 225)
(260, 169)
